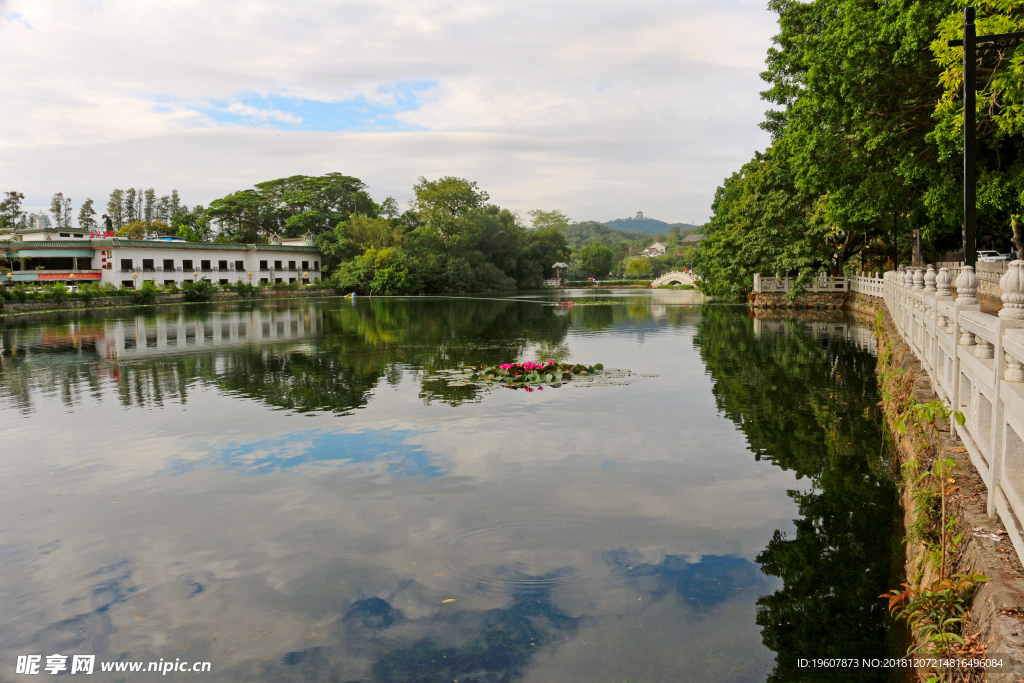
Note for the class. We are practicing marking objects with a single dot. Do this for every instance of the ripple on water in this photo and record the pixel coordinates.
(538, 552)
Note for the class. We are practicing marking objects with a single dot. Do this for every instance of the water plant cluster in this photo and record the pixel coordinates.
(531, 376)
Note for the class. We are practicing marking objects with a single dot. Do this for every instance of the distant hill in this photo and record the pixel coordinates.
(588, 232)
(650, 226)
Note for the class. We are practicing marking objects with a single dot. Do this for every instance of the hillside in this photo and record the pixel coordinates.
(649, 226)
(588, 232)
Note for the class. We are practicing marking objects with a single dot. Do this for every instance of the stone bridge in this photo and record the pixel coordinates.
(677, 277)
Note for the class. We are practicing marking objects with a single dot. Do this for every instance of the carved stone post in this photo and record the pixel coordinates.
(1014, 371)
(943, 282)
(985, 349)
(966, 287)
(918, 279)
(929, 280)
(1011, 284)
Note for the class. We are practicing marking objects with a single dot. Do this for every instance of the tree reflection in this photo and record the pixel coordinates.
(809, 405)
(339, 354)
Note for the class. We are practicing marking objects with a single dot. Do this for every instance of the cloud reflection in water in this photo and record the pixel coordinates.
(290, 451)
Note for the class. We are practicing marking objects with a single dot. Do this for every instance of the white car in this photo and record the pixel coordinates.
(989, 256)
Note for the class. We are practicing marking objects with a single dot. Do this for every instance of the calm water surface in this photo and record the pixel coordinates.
(277, 488)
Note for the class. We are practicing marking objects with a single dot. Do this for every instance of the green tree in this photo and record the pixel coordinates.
(116, 209)
(194, 225)
(10, 210)
(548, 246)
(87, 216)
(999, 114)
(597, 259)
(60, 208)
(130, 213)
(149, 205)
(549, 219)
(291, 207)
(639, 266)
(444, 204)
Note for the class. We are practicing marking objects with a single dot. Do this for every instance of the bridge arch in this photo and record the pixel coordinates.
(677, 277)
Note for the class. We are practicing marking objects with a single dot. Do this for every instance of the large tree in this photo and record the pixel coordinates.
(999, 115)
(597, 259)
(855, 88)
(444, 204)
(291, 207)
(11, 214)
(116, 210)
(87, 216)
(60, 208)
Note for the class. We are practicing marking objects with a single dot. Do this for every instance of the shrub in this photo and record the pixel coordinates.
(198, 291)
(146, 295)
(244, 289)
(58, 293)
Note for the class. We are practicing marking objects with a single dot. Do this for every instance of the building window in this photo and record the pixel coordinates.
(277, 280)
(126, 264)
(223, 265)
(79, 236)
(128, 284)
(168, 264)
(291, 265)
(316, 265)
(305, 265)
(65, 234)
(277, 265)
(168, 283)
(204, 265)
(147, 264)
(187, 264)
(263, 281)
(263, 265)
(239, 265)
(224, 281)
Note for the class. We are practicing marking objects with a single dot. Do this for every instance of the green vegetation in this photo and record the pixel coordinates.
(865, 140)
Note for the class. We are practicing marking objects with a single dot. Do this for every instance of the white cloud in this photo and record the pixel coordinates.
(250, 112)
(598, 109)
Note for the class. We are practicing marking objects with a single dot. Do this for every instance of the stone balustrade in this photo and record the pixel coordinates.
(976, 365)
(822, 283)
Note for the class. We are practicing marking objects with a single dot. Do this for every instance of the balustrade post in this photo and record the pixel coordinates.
(1011, 286)
(966, 289)
(1007, 368)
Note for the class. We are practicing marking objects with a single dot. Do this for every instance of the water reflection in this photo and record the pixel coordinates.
(282, 453)
(298, 503)
(805, 398)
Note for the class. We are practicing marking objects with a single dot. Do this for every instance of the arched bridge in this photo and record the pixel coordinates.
(676, 277)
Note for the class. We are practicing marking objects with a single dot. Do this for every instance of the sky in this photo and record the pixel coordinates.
(596, 109)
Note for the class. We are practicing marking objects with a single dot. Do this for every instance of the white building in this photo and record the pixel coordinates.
(656, 249)
(48, 255)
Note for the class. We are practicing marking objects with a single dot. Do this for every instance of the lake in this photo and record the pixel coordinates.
(286, 490)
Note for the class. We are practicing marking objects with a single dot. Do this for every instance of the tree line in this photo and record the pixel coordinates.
(866, 143)
(451, 238)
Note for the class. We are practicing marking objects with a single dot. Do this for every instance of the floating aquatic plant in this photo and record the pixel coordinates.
(531, 376)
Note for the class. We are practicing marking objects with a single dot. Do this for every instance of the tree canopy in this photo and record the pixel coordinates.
(866, 142)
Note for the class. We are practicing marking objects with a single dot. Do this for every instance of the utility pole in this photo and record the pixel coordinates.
(970, 44)
(970, 139)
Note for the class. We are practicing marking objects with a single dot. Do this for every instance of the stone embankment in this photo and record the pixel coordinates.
(995, 622)
(813, 300)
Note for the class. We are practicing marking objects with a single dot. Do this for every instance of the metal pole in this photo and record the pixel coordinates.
(895, 247)
(970, 133)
